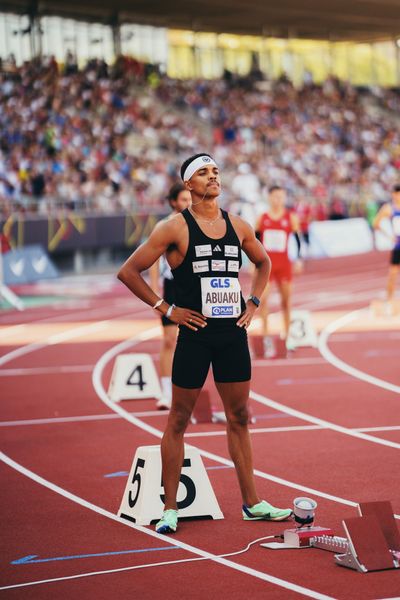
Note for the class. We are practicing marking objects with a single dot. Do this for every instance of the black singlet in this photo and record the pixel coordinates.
(216, 260)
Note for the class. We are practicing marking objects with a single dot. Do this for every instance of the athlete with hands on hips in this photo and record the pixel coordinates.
(203, 247)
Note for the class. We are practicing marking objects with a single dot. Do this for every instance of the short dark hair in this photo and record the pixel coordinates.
(396, 188)
(273, 188)
(175, 190)
(190, 159)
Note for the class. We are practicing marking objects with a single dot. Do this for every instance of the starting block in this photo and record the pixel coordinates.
(372, 543)
(368, 549)
(134, 377)
(204, 411)
(143, 498)
(268, 346)
(385, 308)
(301, 330)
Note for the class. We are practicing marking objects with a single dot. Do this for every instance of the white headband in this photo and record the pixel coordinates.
(196, 164)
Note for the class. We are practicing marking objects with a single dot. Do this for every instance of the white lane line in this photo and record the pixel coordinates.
(322, 422)
(65, 317)
(158, 413)
(77, 332)
(390, 428)
(255, 430)
(287, 362)
(340, 364)
(207, 555)
(77, 419)
(45, 370)
(74, 332)
(355, 337)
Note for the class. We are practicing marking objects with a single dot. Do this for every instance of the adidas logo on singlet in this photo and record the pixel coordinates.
(217, 249)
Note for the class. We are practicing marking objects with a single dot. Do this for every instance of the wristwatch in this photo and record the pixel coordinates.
(255, 300)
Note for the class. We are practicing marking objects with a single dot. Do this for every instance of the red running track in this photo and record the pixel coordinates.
(320, 431)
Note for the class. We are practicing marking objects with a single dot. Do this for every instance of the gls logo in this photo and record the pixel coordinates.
(219, 283)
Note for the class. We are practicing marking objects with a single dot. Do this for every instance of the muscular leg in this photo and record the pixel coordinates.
(167, 350)
(235, 397)
(391, 281)
(172, 451)
(285, 290)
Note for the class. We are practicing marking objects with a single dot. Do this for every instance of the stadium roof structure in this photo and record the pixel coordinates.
(335, 20)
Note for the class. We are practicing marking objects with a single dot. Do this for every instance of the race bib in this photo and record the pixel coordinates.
(220, 297)
(274, 240)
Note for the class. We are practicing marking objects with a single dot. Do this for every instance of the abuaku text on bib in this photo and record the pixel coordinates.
(220, 297)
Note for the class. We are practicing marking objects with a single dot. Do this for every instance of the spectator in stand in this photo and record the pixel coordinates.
(111, 131)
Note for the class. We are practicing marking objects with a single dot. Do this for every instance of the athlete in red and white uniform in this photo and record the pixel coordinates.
(273, 230)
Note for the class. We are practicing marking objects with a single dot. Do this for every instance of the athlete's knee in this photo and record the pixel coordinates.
(179, 419)
(169, 340)
(238, 416)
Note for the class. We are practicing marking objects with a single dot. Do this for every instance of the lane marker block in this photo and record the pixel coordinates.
(301, 331)
(143, 498)
(385, 308)
(133, 377)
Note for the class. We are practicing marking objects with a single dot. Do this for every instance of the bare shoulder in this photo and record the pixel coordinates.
(170, 227)
(241, 226)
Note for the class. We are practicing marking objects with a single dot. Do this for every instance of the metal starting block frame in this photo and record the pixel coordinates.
(373, 539)
(372, 542)
(345, 556)
(332, 543)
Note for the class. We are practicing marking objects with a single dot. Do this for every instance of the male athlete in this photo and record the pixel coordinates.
(273, 230)
(203, 247)
(391, 211)
(179, 198)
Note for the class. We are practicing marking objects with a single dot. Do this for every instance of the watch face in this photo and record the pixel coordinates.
(255, 300)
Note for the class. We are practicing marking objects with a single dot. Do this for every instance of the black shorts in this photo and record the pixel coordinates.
(226, 349)
(169, 297)
(395, 257)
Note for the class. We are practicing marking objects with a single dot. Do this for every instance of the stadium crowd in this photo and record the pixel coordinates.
(109, 138)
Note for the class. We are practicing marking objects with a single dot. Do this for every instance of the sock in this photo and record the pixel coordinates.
(166, 387)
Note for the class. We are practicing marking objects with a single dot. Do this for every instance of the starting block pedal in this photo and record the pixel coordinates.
(268, 347)
(384, 512)
(143, 498)
(368, 549)
(204, 411)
